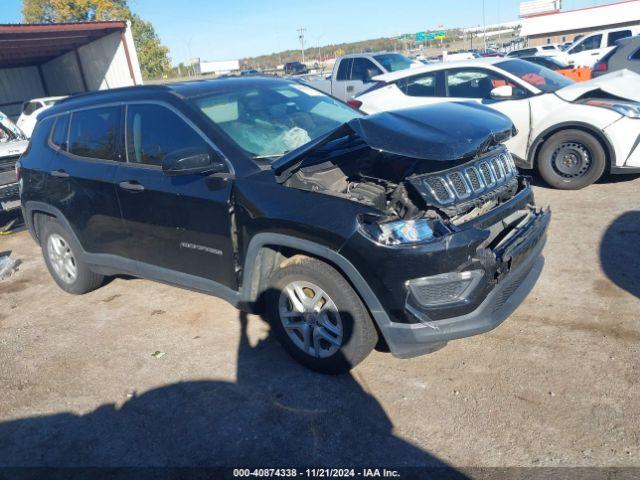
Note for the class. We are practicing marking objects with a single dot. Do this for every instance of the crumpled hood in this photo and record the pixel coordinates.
(441, 132)
(622, 83)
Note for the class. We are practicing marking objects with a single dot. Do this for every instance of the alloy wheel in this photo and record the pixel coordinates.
(311, 319)
(61, 258)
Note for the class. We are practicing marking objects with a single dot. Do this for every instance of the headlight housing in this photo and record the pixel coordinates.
(628, 109)
(399, 232)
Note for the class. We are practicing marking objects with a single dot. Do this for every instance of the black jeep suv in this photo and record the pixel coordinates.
(403, 229)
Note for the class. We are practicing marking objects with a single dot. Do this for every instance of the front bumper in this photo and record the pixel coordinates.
(506, 244)
(9, 197)
(410, 340)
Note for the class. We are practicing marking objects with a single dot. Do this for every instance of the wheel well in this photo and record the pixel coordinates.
(544, 136)
(39, 219)
(273, 257)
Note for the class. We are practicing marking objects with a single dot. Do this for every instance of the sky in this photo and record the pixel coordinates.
(233, 29)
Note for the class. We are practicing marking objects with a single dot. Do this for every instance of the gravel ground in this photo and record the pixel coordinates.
(556, 384)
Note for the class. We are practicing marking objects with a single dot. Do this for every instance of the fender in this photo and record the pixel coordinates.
(252, 264)
(598, 134)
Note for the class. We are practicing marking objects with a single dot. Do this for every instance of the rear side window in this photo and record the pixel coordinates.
(615, 36)
(635, 55)
(30, 107)
(154, 131)
(94, 133)
(344, 70)
(60, 132)
(419, 86)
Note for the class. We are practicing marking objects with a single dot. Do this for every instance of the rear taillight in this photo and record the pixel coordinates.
(354, 103)
(600, 67)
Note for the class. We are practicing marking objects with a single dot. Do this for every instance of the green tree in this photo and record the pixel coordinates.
(152, 55)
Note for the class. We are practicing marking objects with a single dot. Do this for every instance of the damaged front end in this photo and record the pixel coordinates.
(452, 234)
(445, 163)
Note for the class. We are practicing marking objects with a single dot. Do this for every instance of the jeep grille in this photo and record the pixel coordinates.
(471, 180)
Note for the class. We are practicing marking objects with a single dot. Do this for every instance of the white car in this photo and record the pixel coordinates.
(571, 132)
(550, 50)
(30, 111)
(591, 48)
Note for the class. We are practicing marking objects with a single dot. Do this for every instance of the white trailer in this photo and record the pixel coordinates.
(43, 60)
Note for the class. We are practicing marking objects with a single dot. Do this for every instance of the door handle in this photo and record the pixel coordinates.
(59, 173)
(131, 186)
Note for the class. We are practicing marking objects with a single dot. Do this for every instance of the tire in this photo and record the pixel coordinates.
(343, 319)
(571, 160)
(61, 257)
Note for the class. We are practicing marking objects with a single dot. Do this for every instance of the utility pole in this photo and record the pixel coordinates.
(484, 28)
(301, 31)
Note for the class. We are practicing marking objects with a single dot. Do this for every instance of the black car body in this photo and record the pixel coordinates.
(295, 68)
(421, 211)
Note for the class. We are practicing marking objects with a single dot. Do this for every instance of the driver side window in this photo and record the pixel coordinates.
(363, 69)
(477, 83)
(154, 131)
(589, 43)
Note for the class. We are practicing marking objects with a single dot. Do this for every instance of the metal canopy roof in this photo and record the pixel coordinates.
(34, 44)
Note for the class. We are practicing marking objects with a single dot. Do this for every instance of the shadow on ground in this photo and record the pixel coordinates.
(538, 181)
(277, 413)
(620, 252)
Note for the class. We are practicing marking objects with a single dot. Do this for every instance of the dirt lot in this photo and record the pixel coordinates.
(556, 384)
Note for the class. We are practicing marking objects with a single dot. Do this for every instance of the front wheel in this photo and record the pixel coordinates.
(571, 160)
(318, 317)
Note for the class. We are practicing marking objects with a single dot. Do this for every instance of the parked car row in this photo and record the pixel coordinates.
(570, 132)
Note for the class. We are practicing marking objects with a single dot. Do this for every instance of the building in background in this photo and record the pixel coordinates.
(544, 22)
(224, 67)
(43, 60)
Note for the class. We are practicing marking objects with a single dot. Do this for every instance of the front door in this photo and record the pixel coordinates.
(176, 223)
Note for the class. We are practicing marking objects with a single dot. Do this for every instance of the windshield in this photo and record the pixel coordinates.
(8, 130)
(540, 77)
(270, 120)
(393, 61)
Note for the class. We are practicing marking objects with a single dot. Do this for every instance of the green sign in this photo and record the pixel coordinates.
(440, 34)
(421, 37)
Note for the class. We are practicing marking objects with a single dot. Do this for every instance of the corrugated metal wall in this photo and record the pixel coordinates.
(104, 63)
(17, 85)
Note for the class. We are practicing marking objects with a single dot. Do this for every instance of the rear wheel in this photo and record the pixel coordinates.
(69, 272)
(318, 317)
(571, 159)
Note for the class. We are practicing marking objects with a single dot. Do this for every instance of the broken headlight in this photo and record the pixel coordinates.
(399, 232)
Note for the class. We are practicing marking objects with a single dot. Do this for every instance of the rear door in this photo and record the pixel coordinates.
(339, 83)
(175, 223)
(86, 151)
(475, 84)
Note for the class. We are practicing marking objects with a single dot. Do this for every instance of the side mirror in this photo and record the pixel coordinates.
(503, 92)
(369, 74)
(191, 161)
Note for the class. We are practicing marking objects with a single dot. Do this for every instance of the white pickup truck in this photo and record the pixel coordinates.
(353, 73)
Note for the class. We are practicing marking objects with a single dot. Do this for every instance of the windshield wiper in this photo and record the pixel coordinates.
(274, 155)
